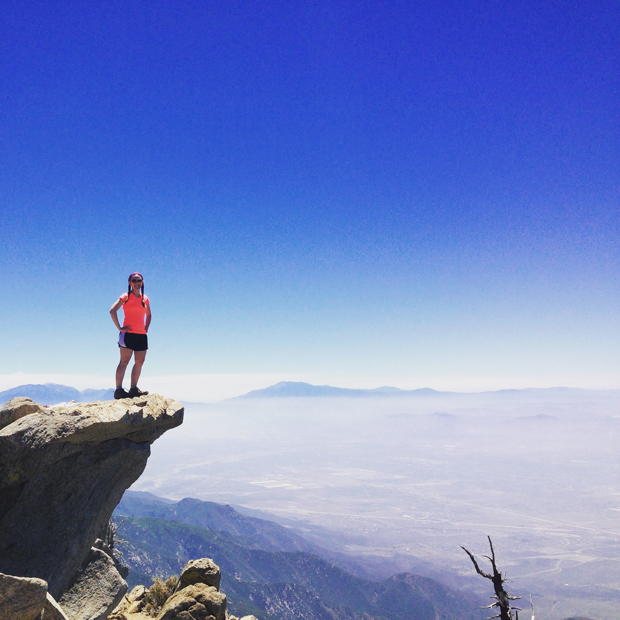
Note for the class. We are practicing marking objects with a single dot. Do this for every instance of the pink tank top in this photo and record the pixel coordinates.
(135, 313)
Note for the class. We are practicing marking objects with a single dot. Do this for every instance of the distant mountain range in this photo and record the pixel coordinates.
(296, 389)
(268, 570)
(293, 389)
(53, 393)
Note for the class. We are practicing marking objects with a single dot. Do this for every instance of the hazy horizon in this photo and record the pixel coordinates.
(405, 481)
(217, 387)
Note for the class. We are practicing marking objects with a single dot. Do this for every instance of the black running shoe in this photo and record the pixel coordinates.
(136, 391)
(120, 393)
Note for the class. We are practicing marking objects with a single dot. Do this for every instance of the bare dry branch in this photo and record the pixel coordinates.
(473, 559)
(112, 540)
(502, 598)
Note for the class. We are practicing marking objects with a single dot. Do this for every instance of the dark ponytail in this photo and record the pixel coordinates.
(142, 296)
(128, 293)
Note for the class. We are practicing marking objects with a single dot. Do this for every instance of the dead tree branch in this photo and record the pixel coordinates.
(502, 598)
(112, 540)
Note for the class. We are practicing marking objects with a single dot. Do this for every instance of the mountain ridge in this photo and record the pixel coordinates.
(299, 389)
(296, 389)
(276, 584)
(54, 393)
(221, 517)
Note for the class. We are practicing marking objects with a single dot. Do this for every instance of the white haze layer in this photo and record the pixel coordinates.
(405, 481)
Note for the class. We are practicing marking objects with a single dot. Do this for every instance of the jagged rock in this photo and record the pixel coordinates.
(97, 589)
(132, 603)
(17, 408)
(122, 570)
(136, 599)
(63, 471)
(52, 610)
(136, 607)
(204, 570)
(21, 598)
(196, 602)
(137, 593)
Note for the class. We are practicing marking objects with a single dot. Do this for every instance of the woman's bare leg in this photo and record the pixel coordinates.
(122, 365)
(137, 367)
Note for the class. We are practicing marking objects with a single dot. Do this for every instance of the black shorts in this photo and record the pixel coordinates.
(135, 342)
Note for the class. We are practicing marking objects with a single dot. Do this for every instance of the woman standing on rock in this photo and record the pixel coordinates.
(132, 338)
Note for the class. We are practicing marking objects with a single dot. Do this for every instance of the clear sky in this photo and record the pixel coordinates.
(356, 193)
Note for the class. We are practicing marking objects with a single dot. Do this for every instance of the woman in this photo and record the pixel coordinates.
(132, 335)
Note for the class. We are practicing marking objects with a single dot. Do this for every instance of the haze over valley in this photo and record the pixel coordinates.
(403, 480)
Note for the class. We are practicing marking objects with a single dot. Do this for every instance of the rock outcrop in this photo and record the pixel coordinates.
(198, 600)
(132, 603)
(62, 472)
(52, 610)
(27, 598)
(17, 408)
(204, 570)
(21, 597)
(97, 588)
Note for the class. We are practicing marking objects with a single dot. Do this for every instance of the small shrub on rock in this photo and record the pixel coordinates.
(159, 593)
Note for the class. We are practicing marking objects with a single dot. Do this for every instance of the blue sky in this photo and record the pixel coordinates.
(351, 193)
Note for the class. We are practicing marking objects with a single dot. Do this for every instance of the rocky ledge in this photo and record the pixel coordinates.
(194, 595)
(63, 470)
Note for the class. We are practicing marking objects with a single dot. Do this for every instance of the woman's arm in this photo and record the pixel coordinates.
(148, 316)
(113, 310)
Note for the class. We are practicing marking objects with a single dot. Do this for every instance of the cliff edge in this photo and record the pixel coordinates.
(63, 469)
